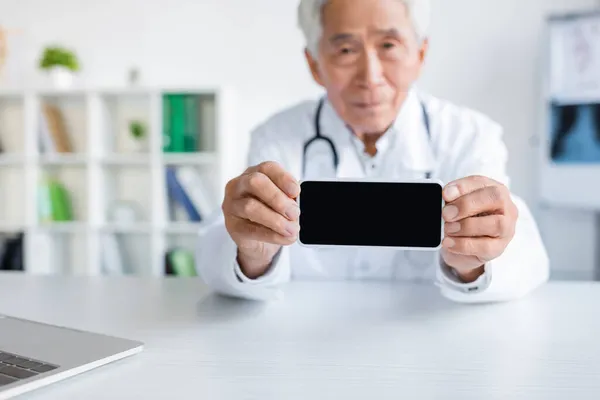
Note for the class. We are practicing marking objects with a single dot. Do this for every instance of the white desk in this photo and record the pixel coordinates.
(333, 341)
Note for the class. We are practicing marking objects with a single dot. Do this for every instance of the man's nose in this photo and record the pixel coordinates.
(371, 70)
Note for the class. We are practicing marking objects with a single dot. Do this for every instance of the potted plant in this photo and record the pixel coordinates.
(138, 132)
(61, 64)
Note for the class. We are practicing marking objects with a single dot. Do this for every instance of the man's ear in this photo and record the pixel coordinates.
(314, 67)
(424, 50)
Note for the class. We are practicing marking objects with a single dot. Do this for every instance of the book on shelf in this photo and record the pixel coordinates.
(196, 188)
(11, 252)
(53, 136)
(173, 123)
(54, 202)
(189, 195)
(54, 205)
(50, 252)
(112, 255)
(116, 257)
(180, 262)
(189, 198)
(179, 196)
(188, 121)
(179, 123)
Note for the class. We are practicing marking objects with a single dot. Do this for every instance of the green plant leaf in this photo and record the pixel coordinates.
(137, 129)
(54, 56)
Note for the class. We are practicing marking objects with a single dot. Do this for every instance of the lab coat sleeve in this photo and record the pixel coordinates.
(524, 265)
(216, 252)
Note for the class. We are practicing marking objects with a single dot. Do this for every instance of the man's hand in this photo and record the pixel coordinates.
(480, 222)
(261, 215)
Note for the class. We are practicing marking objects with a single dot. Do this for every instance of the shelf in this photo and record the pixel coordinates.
(120, 90)
(126, 91)
(62, 227)
(183, 228)
(11, 228)
(125, 160)
(10, 160)
(63, 159)
(186, 240)
(11, 94)
(126, 228)
(80, 154)
(199, 158)
(64, 93)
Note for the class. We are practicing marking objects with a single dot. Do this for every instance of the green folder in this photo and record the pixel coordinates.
(177, 123)
(182, 262)
(191, 123)
(54, 203)
(166, 105)
(61, 204)
(180, 123)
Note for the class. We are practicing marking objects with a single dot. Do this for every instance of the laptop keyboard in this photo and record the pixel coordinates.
(14, 367)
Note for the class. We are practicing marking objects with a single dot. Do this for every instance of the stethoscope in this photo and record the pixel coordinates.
(419, 262)
(334, 154)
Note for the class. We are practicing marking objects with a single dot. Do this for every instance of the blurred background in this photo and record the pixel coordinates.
(109, 163)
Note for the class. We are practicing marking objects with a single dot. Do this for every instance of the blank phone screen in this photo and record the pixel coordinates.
(371, 214)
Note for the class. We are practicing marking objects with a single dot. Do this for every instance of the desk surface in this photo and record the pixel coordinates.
(324, 340)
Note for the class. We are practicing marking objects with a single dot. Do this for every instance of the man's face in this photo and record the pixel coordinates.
(369, 56)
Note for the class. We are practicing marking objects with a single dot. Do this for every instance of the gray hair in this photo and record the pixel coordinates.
(310, 22)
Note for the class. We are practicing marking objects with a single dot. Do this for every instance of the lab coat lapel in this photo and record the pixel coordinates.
(334, 127)
(412, 153)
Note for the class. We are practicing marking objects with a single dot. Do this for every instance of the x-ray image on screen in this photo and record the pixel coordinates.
(575, 133)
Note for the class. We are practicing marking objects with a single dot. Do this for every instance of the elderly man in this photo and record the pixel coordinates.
(367, 54)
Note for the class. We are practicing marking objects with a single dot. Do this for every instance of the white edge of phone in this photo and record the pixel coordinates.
(376, 180)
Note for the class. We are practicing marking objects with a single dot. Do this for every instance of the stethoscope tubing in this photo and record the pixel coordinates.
(319, 136)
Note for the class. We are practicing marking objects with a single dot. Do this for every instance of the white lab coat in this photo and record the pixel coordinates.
(463, 142)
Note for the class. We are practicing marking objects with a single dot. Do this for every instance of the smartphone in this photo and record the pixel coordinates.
(405, 215)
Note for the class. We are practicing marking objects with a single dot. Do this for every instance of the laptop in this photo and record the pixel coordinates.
(33, 354)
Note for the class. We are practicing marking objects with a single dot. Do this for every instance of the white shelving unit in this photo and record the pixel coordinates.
(104, 168)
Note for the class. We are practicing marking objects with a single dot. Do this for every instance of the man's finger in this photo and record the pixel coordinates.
(494, 226)
(260, 186)
(483, 248)
(254, 210)
(487, 200)
(279, 176)
(261, 233)
(464, 186)
(465, 262)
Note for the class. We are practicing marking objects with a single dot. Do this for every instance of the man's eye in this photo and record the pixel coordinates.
(388, 45)
(345, 50)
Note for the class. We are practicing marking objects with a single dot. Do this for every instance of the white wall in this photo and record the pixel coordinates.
(488, 55)
(485, 54)
(252, 45)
